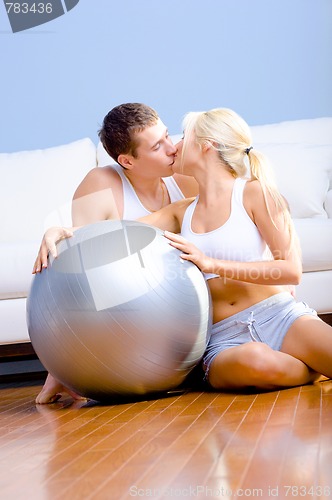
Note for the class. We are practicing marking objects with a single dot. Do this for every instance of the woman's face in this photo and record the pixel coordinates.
(185, 162)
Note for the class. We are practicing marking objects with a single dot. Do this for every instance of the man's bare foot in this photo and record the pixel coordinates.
(53, 390)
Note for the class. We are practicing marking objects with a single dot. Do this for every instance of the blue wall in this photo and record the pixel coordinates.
(270, 60)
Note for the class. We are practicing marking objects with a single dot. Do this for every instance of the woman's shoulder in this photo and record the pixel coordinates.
(253, 189)
(259, 201)
(253, 197)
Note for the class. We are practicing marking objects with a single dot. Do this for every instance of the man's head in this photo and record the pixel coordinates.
(121, 125)
(135, 137)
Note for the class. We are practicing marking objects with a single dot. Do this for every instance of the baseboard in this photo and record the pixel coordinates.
(327, 318)
(23, 379)
(17, 350)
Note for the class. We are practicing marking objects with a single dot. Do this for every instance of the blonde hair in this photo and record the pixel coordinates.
(230, 135)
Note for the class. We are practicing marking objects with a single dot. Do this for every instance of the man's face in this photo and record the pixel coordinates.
(155, 152)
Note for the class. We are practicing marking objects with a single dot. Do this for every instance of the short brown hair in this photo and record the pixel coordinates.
(120, 126)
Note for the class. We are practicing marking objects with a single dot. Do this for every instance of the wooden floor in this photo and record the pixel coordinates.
(187, 445)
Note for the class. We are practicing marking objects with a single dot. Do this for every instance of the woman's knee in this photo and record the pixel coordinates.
(250, 365)
(262, 365)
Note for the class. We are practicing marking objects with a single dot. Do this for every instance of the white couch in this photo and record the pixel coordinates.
(36, 188)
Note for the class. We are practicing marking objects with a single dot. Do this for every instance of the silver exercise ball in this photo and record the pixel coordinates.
(118, 312)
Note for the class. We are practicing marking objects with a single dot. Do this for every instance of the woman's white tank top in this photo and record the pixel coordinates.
(238, 239)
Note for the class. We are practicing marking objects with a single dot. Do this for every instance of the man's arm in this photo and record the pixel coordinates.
(98, 197)
(48, 245)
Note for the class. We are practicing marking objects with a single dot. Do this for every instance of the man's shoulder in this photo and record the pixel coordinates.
(103, 174)
(97, 179)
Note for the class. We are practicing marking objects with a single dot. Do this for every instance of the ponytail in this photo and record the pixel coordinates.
(260, 169)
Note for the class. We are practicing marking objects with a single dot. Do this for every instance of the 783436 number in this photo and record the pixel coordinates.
(25, 8)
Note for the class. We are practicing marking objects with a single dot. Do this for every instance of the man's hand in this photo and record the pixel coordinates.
(48, 245)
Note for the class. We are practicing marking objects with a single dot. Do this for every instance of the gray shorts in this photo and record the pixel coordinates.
(267, 322)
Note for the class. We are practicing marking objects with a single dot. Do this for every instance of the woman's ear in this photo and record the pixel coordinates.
(125, 161)
(208, 145)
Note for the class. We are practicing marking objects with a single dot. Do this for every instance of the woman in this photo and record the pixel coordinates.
(260, 335)
(238, 231)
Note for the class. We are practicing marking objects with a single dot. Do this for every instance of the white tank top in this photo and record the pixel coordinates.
(132, 205)
(238, 239)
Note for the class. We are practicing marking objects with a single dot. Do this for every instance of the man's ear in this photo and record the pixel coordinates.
(125, 161)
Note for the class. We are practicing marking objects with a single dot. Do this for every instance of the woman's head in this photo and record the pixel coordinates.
(223, 130)
(229, 135)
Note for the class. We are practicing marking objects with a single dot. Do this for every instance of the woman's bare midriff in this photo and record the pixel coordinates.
(230, 296)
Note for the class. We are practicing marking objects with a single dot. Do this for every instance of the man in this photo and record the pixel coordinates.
(142, 182)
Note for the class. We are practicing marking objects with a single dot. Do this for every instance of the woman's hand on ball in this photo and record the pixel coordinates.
(48, 245)
(190, 252)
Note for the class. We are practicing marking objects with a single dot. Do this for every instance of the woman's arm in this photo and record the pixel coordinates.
(277, 230)
(285, 269)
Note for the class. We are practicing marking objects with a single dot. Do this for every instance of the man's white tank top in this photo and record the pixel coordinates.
(132, 205)
(238, 239)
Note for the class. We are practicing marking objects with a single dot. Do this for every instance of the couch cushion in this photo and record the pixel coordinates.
(13, 327)
(302, 173)
(317, 131)
(301, 154)
(103, 158)
(316, 243)
(35, 184)
(314, 290)
(16, 261)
